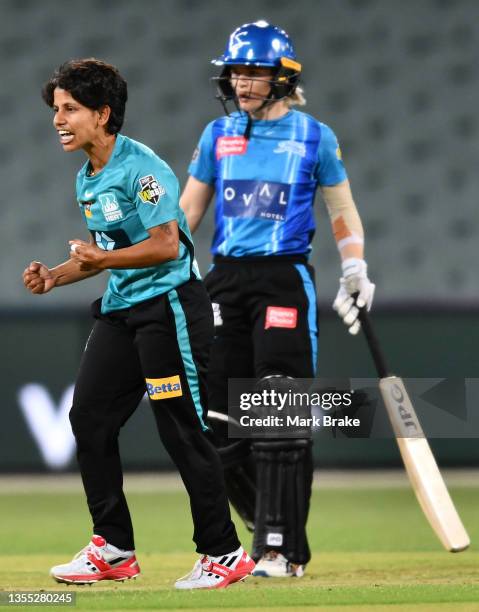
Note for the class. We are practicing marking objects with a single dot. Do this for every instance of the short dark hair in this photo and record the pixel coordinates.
(94, 84)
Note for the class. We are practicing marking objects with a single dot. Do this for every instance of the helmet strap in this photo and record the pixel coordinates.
(249, 125)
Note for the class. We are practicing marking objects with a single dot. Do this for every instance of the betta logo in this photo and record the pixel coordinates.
(164, 388)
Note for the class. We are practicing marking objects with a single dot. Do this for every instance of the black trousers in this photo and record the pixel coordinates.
(161, 345)
(266, 323)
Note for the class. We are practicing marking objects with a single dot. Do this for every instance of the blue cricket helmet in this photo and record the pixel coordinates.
(257, 44)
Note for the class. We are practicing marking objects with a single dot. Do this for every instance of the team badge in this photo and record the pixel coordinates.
(236, 42)
(110, 208)
(87, 209)
(151, 190)
(291, 146)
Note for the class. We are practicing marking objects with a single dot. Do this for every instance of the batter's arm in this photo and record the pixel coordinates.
(355, 289)
(346, 223)
(195, 200)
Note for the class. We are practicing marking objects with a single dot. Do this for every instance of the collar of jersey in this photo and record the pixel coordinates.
(118, 143)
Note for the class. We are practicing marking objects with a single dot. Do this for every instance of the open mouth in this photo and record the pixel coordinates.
(65, 136)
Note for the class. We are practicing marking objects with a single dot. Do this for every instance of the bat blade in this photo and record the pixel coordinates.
(421, 466)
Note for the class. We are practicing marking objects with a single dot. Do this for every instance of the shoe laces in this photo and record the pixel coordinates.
(196, 572)
(206, 563)
(89, 548)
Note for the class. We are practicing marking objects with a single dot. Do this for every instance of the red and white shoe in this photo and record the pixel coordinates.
(98, 561)
(218, 572)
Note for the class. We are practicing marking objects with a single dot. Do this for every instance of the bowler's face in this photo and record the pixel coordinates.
(76, 124)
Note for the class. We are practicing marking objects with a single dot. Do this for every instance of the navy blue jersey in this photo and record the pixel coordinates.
(134, 192)
(265, 186)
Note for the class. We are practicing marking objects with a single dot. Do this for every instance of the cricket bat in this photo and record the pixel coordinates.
(418, 459)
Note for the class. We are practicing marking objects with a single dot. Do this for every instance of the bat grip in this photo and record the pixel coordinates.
(373, 344)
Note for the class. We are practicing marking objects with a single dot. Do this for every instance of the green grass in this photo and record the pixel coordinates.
(372, 549)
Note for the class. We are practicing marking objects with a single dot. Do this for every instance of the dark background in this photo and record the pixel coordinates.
(397, 81)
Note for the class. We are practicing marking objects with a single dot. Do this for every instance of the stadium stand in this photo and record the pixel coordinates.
(396, 80)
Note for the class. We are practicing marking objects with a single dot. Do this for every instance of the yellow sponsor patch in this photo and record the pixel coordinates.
(339, 155)
(164, 388)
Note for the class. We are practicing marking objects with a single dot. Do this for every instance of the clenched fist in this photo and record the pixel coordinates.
(37, 278)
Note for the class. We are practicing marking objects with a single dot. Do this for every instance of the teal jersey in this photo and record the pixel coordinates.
(134, 192)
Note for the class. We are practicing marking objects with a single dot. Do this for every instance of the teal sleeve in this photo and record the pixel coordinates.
(203, 163)
(330, 169)
(156, 193)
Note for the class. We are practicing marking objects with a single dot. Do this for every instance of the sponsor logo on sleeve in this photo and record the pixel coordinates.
(278, 316)
(150, 190)
(164, 388)
(230, 145)
(196, 154)
(339, 155)
(110, 208)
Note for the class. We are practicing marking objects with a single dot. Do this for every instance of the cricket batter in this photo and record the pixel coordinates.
(152, 332)
(264, 164)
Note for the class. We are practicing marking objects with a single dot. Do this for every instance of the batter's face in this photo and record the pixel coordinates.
(78, 126)
(251, 85)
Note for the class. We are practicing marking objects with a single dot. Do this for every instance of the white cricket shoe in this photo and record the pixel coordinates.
(275, 565)
(97, 561)
(218, 572)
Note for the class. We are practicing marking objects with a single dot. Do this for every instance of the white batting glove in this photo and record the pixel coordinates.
(354, 280)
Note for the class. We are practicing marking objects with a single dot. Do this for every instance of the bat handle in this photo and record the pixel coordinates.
(373, 344)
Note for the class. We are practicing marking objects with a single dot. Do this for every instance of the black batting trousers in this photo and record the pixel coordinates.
(266, 323)
(162, 346)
